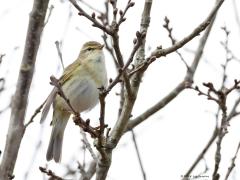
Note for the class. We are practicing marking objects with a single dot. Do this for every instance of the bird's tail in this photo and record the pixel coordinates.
(60, 119)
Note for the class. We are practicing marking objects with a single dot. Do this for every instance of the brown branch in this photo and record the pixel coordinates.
(38, 110)
(50, 173)
(138, 155)
(159, 52)
(173, 40)
(231, 167)
(121, 124)
(138, 43)
(220, 99)
(49, 15)
(91, 18)
(102, 97)
(123, 13)
(87, 144)
(16, 128)
(155, 108)
(1, 58)
(179, 88)
(110, 50)
(201, 155)
(77, 119)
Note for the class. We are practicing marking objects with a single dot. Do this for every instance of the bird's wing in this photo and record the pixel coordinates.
(48, 103)
(68, 72)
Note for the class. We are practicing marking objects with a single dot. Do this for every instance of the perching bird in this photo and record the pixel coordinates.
(80, 82)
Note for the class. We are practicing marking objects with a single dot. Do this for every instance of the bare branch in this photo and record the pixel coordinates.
(38, 110)
(232, 163)
(91, 18)
(77, 119)
(138, 155)
(58, 46)
(179, 88)
(138, 43)
(87, 144)
(159, 52)
(173, 40)
(202, 153)
(16, 128)
(49, 15)
(50, 173)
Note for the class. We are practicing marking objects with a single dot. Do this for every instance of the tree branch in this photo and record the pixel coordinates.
(19, 104)
(159, 52)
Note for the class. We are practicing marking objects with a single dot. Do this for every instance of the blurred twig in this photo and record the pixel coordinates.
(50, 173)
(59, 50)
(138, 155)
(173, 40)
(232, 163)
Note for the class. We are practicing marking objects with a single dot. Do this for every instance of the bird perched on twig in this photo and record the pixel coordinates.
(80, 82)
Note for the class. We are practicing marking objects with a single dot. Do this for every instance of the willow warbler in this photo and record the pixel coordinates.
(80, 82)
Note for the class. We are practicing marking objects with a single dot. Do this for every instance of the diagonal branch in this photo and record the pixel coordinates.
(179, 88)
(159, 52)
(91, 18)
(77, 119)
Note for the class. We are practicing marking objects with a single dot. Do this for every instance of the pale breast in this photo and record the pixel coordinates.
(83, 95)
(83, 89)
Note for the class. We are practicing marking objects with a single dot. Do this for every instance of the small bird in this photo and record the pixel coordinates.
(80, 83)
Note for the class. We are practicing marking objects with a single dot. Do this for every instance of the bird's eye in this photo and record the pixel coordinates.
(89, 49)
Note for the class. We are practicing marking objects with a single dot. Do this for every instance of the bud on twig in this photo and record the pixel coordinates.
(93, 15)
(134, 41)
(115, 11)
(138, 34)
(131, 4)
(121, 12)
(80, 13)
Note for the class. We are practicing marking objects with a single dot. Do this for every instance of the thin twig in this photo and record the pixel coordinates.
(38, 110)
(201, 155)
(49, 15)
(123, 13)
(220, 98)
(159, 52)
(173, 40)
(138, 43)
(91, 18)
(87, 144)
(77, 119)
(1, 57)
(232, 163)
(58, 46)
(50, 173)
(138, 155)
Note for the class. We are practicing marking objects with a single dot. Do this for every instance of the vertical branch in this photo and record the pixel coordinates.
(19, 103)
(129, 102)
(140, 56)
(104, 163)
